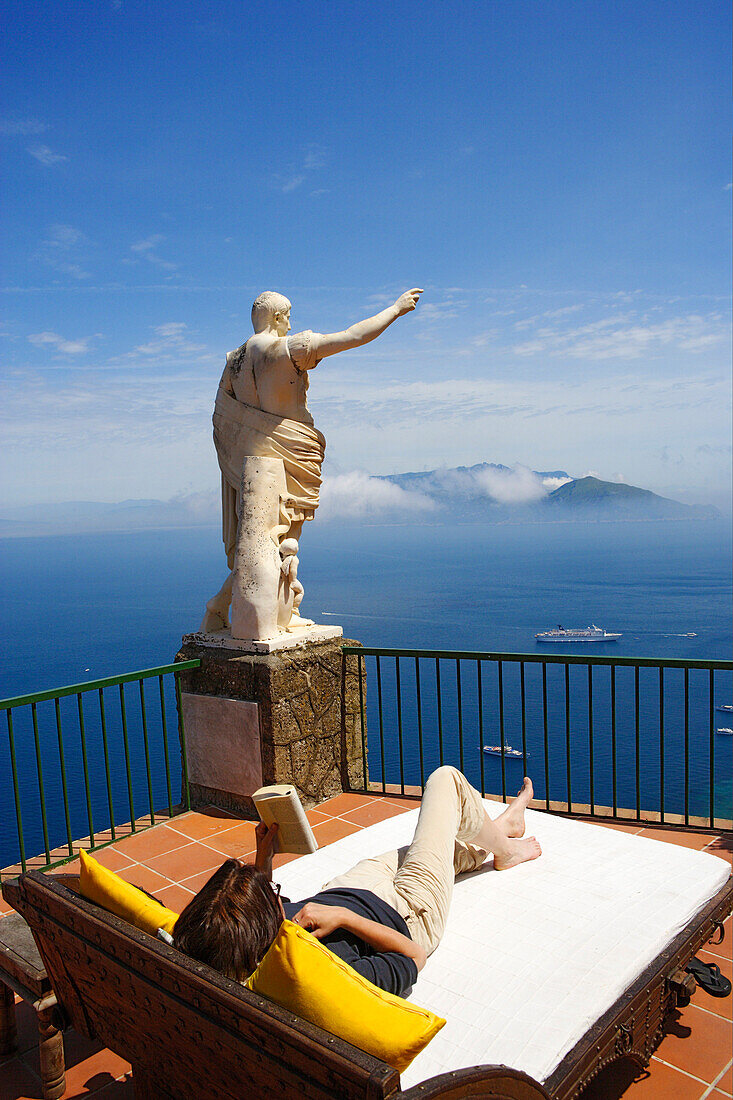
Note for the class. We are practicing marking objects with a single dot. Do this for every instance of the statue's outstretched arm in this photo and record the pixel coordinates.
(364, 331)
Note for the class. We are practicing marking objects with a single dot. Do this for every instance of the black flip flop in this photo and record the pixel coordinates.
(709, 978)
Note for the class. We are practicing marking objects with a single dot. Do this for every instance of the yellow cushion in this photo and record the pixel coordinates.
(301, 974)
(107, 889)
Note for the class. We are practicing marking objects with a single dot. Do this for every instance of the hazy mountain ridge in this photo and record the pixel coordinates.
(486, 492)
(485, 480)
(491, 491)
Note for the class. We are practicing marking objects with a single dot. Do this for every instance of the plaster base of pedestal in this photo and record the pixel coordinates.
(304, 635)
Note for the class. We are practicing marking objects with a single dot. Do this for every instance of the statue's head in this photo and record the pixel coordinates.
(271, 310)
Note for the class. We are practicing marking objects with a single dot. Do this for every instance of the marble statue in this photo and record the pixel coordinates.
(261, 413)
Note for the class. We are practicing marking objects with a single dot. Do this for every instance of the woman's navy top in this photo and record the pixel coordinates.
(387, 969)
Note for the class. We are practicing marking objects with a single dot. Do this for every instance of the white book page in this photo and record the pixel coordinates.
(280, 805)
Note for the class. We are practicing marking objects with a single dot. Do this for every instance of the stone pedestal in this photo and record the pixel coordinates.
(250, 719)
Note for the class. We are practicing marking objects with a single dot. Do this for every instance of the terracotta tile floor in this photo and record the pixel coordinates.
(174, 859)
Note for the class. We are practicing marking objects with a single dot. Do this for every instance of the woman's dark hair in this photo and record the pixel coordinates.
(231, 922)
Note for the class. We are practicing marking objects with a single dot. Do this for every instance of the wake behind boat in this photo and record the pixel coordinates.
(575, 634)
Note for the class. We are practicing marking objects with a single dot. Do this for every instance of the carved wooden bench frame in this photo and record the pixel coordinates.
(190, 1031)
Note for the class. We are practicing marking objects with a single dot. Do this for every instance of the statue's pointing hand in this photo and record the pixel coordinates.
(408, 301)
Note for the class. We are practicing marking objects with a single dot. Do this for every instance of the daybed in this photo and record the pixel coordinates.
(545, 975)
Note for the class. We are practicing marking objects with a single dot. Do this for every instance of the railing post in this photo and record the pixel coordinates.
(418, 699)
(41, 793)
(546, 736)
(712, 748)
(399, 725)
(16, 788)
(85, 766)
(381, 724)
(661, 745)
(166, 756)
(185, 786)
(105, 745)
(480, 693)
(502, 739)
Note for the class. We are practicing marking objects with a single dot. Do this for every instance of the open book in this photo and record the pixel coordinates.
(280, 805)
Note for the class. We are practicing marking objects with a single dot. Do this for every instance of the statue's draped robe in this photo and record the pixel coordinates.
(241, 430)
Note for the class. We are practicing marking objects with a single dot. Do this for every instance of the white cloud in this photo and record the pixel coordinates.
(552, 483)
(63, 248)
(65, 236)
(505, 485)
(516, 486)
(439, 311)
(173, 328)
(315, 158)
(148, 244)
(171, 341)
(147, 249)
(68, 347)
(625, 338)
(291, 184)
(356, 495)
(46, 155)
(10, 127)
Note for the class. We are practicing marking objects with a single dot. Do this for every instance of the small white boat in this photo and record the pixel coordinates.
(725, 729)
(576, 634)
(727, 708)
(496, 750)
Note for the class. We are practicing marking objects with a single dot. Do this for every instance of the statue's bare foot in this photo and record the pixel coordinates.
(214, 621)
(516, 852)
(511, 822)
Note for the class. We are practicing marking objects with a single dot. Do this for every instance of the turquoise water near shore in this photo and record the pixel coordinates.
(81, 607)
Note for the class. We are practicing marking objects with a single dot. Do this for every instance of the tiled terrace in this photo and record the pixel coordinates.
(174, 859)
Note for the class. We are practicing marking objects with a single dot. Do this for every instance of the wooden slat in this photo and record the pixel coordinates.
(19, 956)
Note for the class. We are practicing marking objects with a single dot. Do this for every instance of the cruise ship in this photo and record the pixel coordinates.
(575, 634)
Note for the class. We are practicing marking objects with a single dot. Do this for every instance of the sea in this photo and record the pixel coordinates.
(82, 607)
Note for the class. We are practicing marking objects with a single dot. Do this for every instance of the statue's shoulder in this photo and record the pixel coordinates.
(302, 348)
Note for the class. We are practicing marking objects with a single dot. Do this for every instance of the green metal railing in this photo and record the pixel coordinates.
(601, 736)
(85, 753)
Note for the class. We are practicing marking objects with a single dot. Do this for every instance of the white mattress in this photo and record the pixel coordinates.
(533, 956)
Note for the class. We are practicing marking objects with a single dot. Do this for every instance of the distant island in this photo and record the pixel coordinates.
(489, 491)
(484, 493)
(588, 495)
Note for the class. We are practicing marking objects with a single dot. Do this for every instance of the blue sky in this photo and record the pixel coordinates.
(555, 175)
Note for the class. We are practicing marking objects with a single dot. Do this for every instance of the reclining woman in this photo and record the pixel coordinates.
(385, 916)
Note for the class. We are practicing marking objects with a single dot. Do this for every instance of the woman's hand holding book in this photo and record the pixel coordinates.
(265, 837)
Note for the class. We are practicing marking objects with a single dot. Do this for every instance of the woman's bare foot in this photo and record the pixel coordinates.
(516, 852)
(511, 822)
